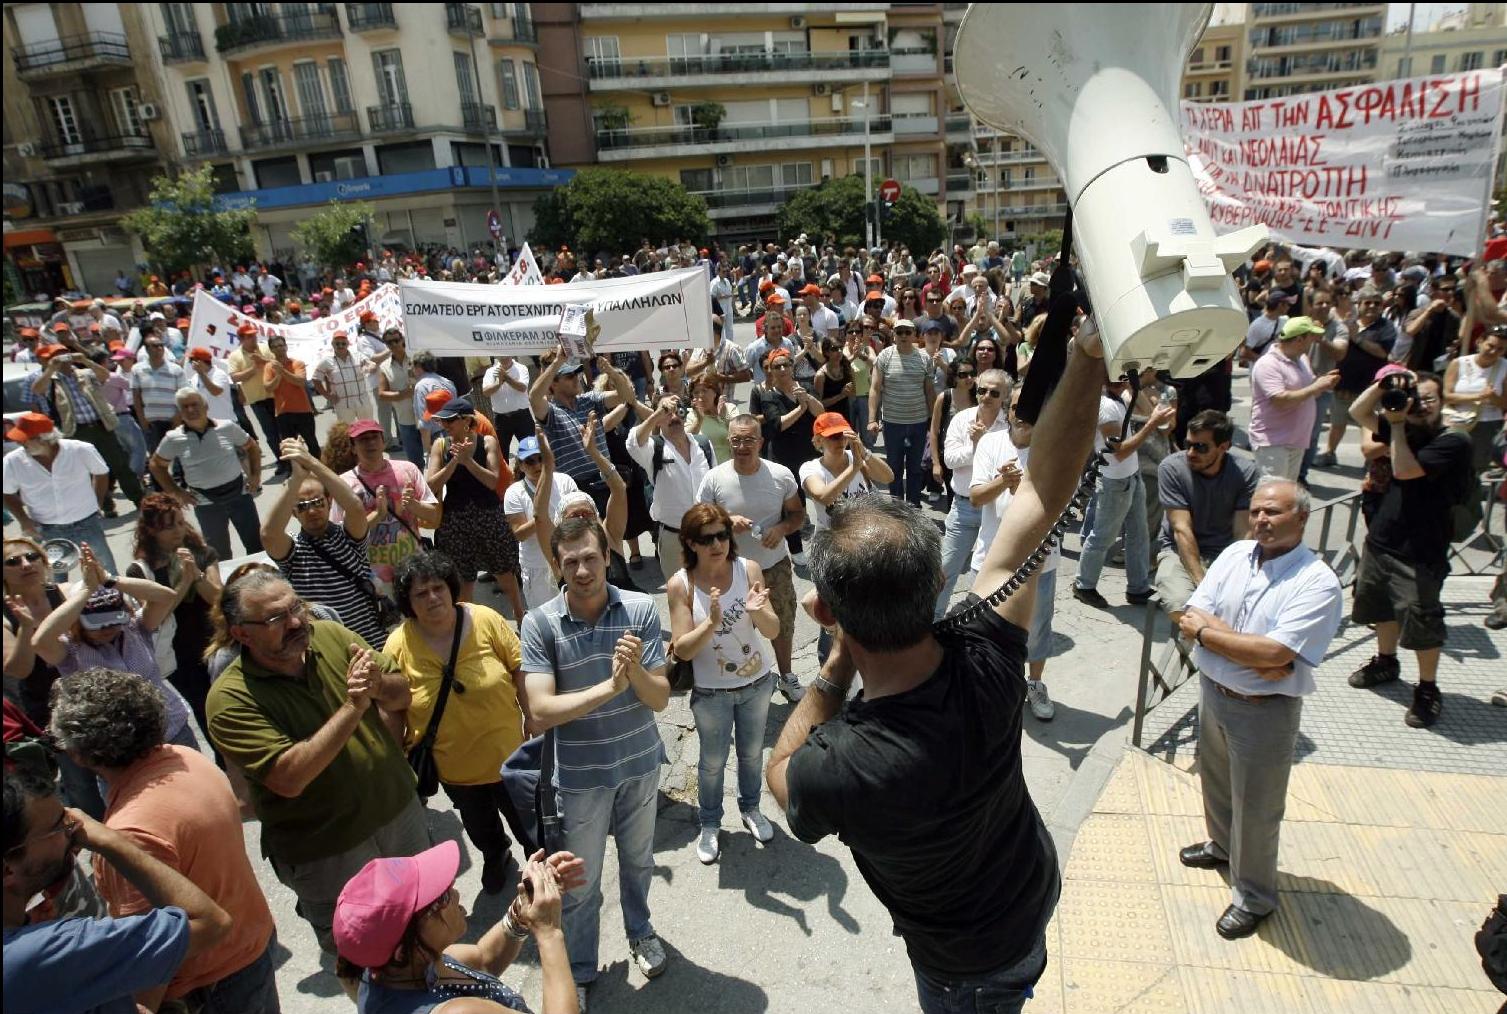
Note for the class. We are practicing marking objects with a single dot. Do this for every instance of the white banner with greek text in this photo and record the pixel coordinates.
(1396, 165)
(525, 270)
(214, 324)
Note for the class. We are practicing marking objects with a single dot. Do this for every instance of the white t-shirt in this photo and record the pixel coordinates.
(814, 467)
(519, 499)
(1112, 410)
(506, 399)
(65, 494)
(222, 405)
(994, 449)
(958, 449)
(1263, 331)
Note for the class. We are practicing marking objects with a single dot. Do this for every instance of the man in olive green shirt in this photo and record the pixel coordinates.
(301, 712)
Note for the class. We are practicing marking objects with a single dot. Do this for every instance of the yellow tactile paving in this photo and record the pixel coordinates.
(1385, 876)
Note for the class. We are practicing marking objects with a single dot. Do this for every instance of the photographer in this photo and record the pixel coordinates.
(1406, 554)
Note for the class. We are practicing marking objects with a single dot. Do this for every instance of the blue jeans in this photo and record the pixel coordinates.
(720, 716)
(904, 445)
(252, 990)
(860, 421)
(1002, 991)
(626, 811)
(413, 445)
(1118, 503)
(1039, 637)
(91, 530)
(1322, 405)
(128, 434)
(958, 540)
(215, 520)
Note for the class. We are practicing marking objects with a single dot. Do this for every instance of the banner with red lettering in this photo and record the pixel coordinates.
(525, 270)
(214, 324)
(1396, 165)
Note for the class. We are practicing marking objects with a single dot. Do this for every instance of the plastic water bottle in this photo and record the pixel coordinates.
(1167, 397)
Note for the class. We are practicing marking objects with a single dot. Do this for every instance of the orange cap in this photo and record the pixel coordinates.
(830, 424)
(28, 426)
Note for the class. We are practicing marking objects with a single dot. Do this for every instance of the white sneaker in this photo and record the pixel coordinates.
(799, 559)
(1039, 700)
(581, 998)
(649, 956)
(707, 847)
(791, 687)
(758, 825)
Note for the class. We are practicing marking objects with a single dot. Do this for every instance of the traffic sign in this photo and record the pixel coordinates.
(889, 191)
(494, 223)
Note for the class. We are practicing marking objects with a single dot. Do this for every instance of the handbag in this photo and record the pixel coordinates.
(424, 541)
(682, 671)
(388, 613)
(421, 757)
(551, 834)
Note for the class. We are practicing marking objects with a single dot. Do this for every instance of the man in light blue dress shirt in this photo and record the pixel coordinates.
(1261, 620)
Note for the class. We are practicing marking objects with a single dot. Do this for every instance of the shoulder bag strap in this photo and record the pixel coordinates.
(396, 516)
(447, 680)
(368, 588)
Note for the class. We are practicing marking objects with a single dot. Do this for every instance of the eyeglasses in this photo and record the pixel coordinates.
(780, 366)
(988, 392)
(964, 374)
(310, 505)
(1200, 446)
(708, 538)
(742, 441)
(298, 610)
(30, 556)
(64, 826)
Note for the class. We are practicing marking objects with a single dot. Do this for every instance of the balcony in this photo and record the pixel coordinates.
(1010, 157)
(1210, 66)
(734, 68)
(303, 25)
(739, 203)
(912, 124)
(204, 143)
(680, 12)
(535, 122)
(389, 118)
(743, 138)
(72, 54)
(524, 31)
(477, 117)
(959, 124)
(929, 185)
(87, 148)
(463, 19)
(181, 47)
(370, 17)
(959, 182)
(301, 131)
(1033, 210)
(914, 61)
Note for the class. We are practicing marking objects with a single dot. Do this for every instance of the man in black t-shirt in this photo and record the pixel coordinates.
(1406, 555)
(921, 776)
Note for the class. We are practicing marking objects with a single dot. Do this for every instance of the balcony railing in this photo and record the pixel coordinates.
(535, 122)
(463, 19)
(201, 143)
(914, 61)
(304, 129)
(181, 47)
(97, 144)
(95, 47)
(301, 25)
(959, 123)
(524, 30)
(386, 119)
(655, 136)
(716, 199)
(1033, 210)
(477, 116)
(737, 63)
(960, 181)
(369, 17)
(96, 198)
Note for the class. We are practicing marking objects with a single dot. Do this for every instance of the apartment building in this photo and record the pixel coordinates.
(1472, 39)
(1311, 47)
(1214, 69)
(746, 105)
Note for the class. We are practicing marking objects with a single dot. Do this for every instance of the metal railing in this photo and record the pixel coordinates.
(958, 121)
(394, 116)
(655, 136)
(299, 25)
(524, 30)
(463, 18)
(476, 116)
(738, 198)
(960, 181)
(103, 46)
(305, 128)
(181, 47)
(199, 143)
(97, 144)
(367, 17)
(535, 122)
(737, 63)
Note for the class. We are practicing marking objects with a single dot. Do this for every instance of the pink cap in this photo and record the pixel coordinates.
(361, 427)
(1388, 370)
(377, 904)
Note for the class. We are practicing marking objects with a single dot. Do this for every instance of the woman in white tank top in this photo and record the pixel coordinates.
(1476, 385)
(721, 621)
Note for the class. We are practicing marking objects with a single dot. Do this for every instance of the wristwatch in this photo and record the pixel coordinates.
(109, 582)
(826, 686)
(1198, 635)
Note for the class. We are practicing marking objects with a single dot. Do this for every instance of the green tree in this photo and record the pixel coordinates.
(613, 209)
(836, 208)
(1048, 243)
(181, 228)
(336, 236)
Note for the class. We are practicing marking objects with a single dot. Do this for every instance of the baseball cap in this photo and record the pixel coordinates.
(528, 447)
(452, 409)
(903, 325)
(105, 607)
(829, 424)
(874, 280)
(340, 334)
(778, 299)
(377, 904)
(156, 315)
(436, 400)
(123, 354)
(61, 327)
(245, 329)
(1261, 267)
(183, 322)
(361, 427)
(1298, 327)
(872, 294)
(29, 332)
(46, 352)
(810, 290)
(569, 367)
(29, 425)
(294, 305)
(766, 285)
(1277, 299)
(200, 354)
(931, 325)
(1042, 279)
(367, 315)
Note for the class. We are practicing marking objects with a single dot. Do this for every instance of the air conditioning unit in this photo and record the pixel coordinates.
(324, 176)
(797, 22)
(70, 207)
(26, 149)
(149, 111)
(662, 98)
(821, 88)
(350, 167)
(723, 161)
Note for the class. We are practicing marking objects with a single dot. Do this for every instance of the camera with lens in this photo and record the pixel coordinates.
(1399, 392)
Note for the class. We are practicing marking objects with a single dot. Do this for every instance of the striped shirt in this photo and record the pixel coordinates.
(563, 428)
(347, 378)
(84, 411)
(158, 389)
(904, 385)
(619, 740)
(318, 581)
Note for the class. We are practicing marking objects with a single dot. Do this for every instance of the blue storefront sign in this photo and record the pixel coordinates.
(398, 184)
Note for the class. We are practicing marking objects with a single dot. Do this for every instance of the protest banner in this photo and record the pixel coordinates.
(1395, 165)
(666, 309)
(525, 270)
(214, 324)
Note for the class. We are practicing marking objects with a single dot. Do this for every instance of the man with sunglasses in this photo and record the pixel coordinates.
(90, 964)
(964, 433)
(1434, 326)
(154, 388)
(246, 363)
(395, 389)
(216, 484)
(287, 379)
(1370, 347)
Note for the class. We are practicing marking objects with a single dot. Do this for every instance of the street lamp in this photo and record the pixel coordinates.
(970, 160)
(868, 170)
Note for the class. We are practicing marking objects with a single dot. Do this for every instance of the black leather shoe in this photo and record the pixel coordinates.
(1237, 923)
(1200, 858)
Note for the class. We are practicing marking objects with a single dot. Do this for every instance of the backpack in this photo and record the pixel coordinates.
(659, 454)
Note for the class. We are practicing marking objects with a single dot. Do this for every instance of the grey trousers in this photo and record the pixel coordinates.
(1244, 757)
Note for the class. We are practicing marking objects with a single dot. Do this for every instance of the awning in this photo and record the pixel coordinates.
(29, 237)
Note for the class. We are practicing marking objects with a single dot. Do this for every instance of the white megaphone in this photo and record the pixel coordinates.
(1094, 87)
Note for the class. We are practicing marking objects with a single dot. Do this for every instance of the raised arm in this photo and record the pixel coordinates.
(275, 538)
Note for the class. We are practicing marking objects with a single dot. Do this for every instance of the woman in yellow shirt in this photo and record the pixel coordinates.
(482, 723)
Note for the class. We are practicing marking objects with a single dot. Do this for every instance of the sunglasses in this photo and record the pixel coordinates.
(310, 505)
(987, 392)
(708, 538)
(780, 366)
(31, 556)
(965, 374)
(1200, 446)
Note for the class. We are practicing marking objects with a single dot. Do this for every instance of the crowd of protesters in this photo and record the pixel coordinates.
(359, 654)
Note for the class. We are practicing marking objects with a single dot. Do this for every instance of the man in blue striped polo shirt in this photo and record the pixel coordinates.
(561, 407)
(594, 665)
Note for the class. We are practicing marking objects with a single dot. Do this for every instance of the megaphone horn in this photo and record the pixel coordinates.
(1094, 87)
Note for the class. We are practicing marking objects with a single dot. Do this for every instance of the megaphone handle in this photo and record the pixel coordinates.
(1049, 358)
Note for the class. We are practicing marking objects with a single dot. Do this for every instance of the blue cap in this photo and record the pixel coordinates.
(455, 408)
(528, 447)
(568, 367)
